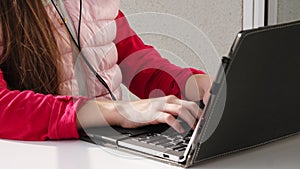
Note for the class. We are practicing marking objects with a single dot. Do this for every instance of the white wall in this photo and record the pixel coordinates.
(187, 31)
(288, 10)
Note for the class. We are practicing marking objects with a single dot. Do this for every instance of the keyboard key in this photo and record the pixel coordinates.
(181, 149)
(167, 145)
(177, 147)
(155, 139)
(177, 142)
(160, 142)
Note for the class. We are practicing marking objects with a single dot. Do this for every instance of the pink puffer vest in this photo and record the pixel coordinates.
(98, 30)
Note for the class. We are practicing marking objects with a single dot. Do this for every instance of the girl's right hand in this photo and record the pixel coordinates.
(132, 114)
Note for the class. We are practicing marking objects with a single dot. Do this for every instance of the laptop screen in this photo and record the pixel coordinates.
(262, 92)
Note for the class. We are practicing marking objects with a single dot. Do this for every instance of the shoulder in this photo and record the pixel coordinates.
(94, 9)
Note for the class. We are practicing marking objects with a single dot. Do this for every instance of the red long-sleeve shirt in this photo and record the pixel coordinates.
(25, 115)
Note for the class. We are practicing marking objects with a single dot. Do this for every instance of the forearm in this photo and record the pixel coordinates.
(97, 113)
(144, 71)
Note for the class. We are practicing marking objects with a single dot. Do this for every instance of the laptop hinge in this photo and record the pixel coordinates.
(215, 88)
(225, 63)
(217, 83)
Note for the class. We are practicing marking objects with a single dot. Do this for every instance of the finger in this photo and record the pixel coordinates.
(188, 117)
(206, 97)
(182, 112)
(191, 106)
(171, 121)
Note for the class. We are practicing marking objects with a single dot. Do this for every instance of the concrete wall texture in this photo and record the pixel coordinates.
(288, 10)
(187, 32)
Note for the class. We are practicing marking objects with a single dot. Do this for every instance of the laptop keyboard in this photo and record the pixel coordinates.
(170, 139)
(162, 135)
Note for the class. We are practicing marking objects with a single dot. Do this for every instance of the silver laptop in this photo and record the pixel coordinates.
(254, 100)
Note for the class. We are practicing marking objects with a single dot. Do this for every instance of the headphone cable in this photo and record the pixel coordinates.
(78, 45)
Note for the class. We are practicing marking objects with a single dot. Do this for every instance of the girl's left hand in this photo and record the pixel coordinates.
(198, 87)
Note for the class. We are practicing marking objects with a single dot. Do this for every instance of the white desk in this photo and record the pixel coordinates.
(283, 154)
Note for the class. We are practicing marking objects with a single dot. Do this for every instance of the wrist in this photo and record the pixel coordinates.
(98, 113)
(195, 86)
(109, 112)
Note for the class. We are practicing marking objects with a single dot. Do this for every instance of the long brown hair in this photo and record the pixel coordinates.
(30, 58)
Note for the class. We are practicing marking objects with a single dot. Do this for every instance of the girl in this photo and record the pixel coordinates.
(62, 63)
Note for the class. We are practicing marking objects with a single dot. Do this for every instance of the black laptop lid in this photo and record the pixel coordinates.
(262, 92)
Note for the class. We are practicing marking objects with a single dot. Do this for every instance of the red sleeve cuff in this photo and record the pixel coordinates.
(66, 127)
(196, 71)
